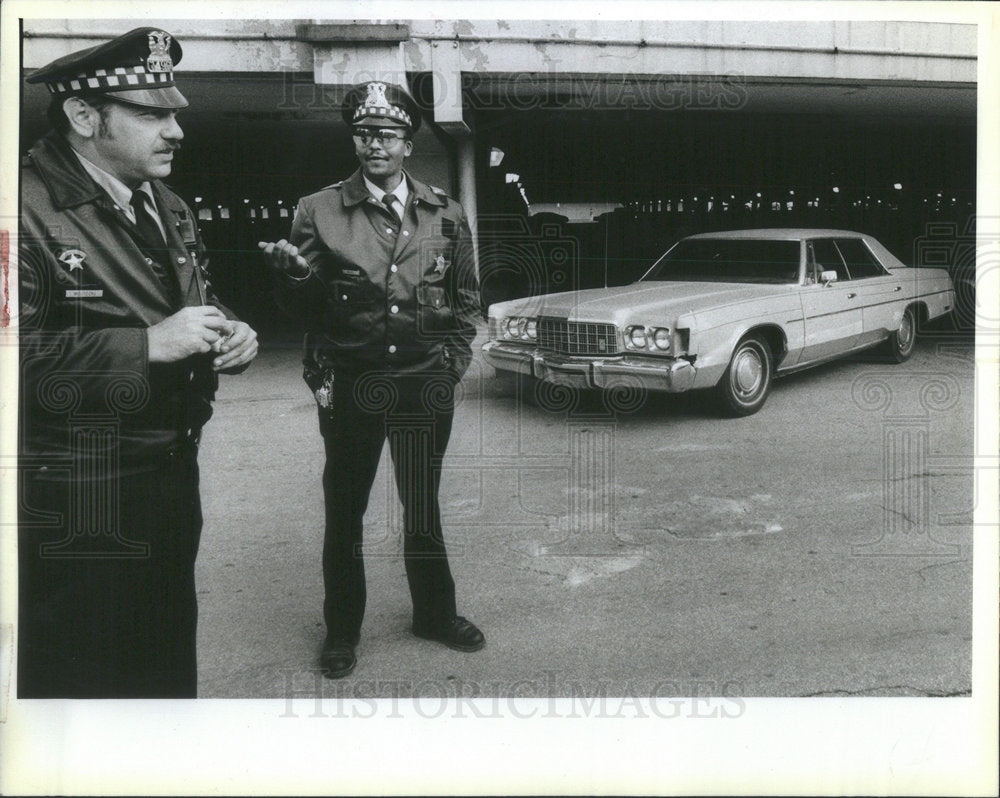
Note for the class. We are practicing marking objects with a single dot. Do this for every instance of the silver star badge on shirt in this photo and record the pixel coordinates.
(73, 258)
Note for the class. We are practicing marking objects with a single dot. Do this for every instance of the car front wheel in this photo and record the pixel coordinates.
(743, 389)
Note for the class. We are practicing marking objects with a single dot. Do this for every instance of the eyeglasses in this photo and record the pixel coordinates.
(383, 136)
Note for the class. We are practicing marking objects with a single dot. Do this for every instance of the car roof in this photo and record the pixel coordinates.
(791, 233)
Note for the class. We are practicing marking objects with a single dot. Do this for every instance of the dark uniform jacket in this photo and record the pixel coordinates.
(403, 302)
(87, 294)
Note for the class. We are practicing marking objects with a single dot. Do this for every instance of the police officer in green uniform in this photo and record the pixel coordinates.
(380, 267)
(121, 341)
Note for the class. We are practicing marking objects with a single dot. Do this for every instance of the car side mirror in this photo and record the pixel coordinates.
(828, 277)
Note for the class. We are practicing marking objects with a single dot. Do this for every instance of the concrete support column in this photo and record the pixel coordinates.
(465, 157)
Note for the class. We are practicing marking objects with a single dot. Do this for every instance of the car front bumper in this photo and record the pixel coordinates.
(672, 375)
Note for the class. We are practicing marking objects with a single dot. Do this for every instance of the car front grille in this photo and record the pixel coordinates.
(577, 337)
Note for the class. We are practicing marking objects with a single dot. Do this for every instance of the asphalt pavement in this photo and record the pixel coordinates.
(635, 547)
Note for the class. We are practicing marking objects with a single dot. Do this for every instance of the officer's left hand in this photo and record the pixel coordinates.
(237, 348)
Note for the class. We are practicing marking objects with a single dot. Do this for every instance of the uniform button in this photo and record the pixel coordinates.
(182, 260)
(394, 268)
(149, 261)
(406, 232)
(394, 309)
(389, 230)
(392, 348)
(343, 297)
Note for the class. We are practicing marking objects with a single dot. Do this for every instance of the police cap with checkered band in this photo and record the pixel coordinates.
(379, 103)
(136, 68)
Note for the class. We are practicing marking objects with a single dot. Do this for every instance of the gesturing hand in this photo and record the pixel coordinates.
(237, 348)
(285, 258)
(187, 332)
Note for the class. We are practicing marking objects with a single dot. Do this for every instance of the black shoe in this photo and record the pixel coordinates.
(460, 634)
(337, 659)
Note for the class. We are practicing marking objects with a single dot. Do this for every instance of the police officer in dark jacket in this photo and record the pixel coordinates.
(121, 342)
(380, 267)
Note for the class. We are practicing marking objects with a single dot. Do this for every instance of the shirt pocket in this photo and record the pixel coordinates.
(349, 294)
(352, 311)
(433, 311)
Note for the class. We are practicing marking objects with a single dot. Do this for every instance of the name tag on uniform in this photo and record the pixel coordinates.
(84, 293)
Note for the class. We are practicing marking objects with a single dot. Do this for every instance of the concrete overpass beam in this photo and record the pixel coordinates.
(354, 53)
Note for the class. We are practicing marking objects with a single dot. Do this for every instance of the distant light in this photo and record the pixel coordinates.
(897, 186)
(496, 156)
(280, 202)
(836, 189)
(758, 194)
(197, 199)
(246, 202)
(790, 191)
(512, 178)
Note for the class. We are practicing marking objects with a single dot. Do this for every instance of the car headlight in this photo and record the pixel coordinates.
(519, 328)
(662, 339)
(651, 339)
(636, 337)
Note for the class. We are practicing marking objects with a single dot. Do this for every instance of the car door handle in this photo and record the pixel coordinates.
(851, 296)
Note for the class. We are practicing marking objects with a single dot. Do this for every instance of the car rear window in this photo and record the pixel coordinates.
(859, 259)
(729, 261)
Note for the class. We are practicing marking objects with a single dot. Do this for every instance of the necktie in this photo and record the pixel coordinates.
(388, 200)
(148, 229)
(151, 242)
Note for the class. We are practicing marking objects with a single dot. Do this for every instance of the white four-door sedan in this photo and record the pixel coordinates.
(724, 311)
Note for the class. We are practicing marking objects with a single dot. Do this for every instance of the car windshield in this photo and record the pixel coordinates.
(729, 260)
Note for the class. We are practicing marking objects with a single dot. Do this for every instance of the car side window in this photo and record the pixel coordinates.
(827, 258)
(860, 261)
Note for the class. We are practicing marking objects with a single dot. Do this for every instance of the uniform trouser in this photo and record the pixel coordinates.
(415, 414)
(107, 603)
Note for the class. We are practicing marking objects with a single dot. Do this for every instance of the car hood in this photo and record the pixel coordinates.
(627, 302)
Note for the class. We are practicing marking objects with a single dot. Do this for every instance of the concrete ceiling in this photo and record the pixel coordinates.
(292, 97)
